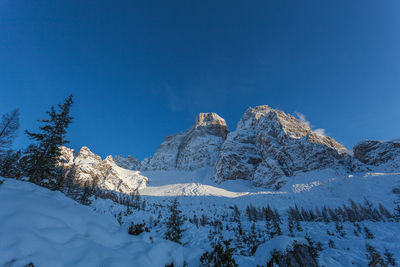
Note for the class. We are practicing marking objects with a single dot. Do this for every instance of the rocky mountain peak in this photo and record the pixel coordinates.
(269, 144)
(196, 148)
(85, 153)
(89, 168)
(206, 119)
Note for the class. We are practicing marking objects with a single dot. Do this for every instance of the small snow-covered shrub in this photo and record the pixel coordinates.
(300, 255)
(137, 229)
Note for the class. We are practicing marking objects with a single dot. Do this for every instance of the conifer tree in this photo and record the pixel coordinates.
(9, 125)
(222, 255)
(40, 159)
(174, 223)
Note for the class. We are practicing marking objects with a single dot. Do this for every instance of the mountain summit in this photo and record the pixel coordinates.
(269, 144)
(196, 148)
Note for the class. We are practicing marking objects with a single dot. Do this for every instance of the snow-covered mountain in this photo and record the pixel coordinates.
(267, 147)
(89, 168)
(196, 148)
(269, 144)
(345, 204)
(385, 154)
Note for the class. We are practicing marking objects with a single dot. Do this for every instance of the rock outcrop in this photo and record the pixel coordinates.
(196, 148)
(129, 162)
(268, 145)
(89, 168)
(379, 153)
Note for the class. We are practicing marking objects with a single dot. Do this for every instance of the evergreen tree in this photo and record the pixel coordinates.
(222, 256)
(174, 223)
(252, 239)
(9, 125)
(9, 160)
(41, 159)
(10, 165)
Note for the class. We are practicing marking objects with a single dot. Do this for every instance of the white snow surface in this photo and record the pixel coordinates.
(49, 229)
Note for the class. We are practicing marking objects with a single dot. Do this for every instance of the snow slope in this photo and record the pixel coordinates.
(49, 229)
(316, 188)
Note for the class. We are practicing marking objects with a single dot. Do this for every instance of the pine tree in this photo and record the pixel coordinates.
(41, 159)
(10, 165)
(174, 223)
(222, 255)
(9, 125)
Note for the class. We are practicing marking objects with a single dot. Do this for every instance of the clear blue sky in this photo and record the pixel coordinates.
(141, 70)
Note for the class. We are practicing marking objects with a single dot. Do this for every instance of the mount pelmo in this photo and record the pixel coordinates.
(267, 148)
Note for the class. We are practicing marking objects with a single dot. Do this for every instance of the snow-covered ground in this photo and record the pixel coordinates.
(326, 187)
(49, 229)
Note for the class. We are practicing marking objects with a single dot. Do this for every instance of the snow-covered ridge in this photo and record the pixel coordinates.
(89, 169)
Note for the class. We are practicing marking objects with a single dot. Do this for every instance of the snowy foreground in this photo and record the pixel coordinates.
(49, 229)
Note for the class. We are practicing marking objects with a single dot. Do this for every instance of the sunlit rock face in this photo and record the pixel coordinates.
(269, 145)
(196, 148)
(385, 154)
(87, 168)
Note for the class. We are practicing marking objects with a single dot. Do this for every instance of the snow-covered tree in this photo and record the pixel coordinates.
(174, 223)
(9, 125)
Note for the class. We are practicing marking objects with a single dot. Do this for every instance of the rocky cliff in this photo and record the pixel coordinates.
(385, 154)
(88, 167)
(129, 162)
(269, 144)
(197, 147)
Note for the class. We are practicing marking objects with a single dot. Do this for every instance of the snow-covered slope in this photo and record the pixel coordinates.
(385, 154)
(48, 229)
(88, 168)
(196, 148)
(269, 145)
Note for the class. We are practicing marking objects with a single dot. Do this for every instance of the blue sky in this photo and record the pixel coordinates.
(141, 70)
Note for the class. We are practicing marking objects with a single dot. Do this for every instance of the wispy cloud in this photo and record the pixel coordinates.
(304, 120)
(320, 131)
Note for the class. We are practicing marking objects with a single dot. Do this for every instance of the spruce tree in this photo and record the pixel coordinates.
(9, 124)
(174, 223)
(41, 159)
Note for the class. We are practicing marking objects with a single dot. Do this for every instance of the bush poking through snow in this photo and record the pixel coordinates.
(300, 255)
(221, 255)
(373, 256)
(137, 229)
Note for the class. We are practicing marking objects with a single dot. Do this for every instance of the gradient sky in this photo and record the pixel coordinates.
(141, 70)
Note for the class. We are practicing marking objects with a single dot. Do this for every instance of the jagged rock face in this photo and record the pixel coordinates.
(196, 148)
(129, 162)
(88, 168)
(269, 145)
(379, 153)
